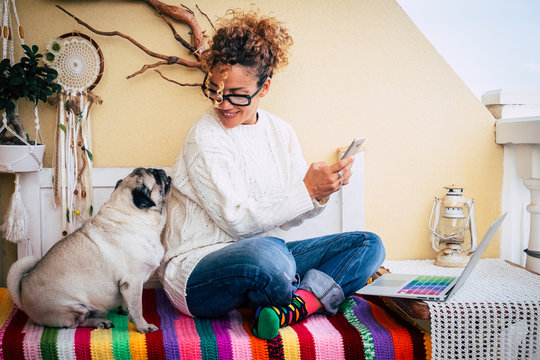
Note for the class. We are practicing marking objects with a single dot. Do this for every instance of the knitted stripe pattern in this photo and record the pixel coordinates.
(362, 329)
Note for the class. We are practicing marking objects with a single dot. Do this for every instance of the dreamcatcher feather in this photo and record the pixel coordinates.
(79, 62)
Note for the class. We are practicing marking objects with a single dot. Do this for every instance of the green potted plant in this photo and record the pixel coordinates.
(29, 80)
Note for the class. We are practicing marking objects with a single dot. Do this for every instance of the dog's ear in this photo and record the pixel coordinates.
(141, 197)
(118, 183)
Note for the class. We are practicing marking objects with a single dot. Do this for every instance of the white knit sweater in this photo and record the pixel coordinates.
(228, 185)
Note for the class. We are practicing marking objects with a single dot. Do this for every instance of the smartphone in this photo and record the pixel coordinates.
(354, 147)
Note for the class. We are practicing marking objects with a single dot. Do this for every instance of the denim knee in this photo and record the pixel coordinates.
(274, 266)
(376, 247)
(357, 264)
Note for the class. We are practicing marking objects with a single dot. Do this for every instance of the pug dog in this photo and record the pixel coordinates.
(102, 265)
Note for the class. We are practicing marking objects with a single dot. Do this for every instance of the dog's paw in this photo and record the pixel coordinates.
(121, 311)
(104, 324)
(147, 328)
(97, 323)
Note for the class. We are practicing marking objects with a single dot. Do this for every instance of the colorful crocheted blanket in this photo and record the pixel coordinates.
(363, 329)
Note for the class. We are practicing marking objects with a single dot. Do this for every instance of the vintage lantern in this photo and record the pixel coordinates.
(452, 226)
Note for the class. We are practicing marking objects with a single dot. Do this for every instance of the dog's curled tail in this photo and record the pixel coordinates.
(15, 275)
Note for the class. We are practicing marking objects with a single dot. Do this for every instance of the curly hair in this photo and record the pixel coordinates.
(245, 38)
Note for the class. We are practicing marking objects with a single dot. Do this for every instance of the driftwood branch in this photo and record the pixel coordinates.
(187, 9)
(149, 66)
(206, 16)
(176, 82)
(179, 38)
(181, 15)
(146, 67)
(174, 12)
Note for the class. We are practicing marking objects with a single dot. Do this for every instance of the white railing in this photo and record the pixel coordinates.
(518, 130)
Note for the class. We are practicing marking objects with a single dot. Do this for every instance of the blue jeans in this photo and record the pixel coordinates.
(267, 271)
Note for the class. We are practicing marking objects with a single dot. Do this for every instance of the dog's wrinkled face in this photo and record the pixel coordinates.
(149, 187)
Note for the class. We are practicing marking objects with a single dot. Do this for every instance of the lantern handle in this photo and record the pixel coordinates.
(472, 224)
(436, 209)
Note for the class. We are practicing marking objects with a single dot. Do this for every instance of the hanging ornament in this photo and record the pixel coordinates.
(15, 225)
(79, 62)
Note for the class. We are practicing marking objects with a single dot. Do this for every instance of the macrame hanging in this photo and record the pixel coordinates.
(79, 62)
(9, 11)
(15, 225)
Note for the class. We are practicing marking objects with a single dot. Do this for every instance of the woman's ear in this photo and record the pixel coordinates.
(265, 87)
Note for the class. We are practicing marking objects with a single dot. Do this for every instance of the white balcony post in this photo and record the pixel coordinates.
(518, 130)
(531, 179)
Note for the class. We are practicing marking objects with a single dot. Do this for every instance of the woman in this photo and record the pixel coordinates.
(240, 175)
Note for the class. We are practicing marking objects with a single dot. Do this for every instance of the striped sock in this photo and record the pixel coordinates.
(269, 319)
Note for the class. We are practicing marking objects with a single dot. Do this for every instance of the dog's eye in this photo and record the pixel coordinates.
(142, 197)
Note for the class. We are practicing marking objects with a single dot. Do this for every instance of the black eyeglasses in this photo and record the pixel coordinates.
(235, 99)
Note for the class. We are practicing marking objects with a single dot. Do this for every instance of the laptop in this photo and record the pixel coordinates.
(428, 287)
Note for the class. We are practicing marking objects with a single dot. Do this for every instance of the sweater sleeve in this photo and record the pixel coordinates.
(221, 189)
(299, 168)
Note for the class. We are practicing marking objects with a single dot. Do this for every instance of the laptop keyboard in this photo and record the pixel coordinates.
(427, 285)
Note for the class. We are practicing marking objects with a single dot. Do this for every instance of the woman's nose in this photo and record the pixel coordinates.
(224, 105)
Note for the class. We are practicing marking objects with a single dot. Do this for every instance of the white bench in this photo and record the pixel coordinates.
(345, 210)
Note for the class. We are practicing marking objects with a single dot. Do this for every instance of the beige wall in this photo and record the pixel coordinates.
(358, 68)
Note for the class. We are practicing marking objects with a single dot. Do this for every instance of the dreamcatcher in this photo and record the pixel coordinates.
(79, 62)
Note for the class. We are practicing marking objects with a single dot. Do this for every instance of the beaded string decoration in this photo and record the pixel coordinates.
(8, 10)
(15, 225)
(79, 62)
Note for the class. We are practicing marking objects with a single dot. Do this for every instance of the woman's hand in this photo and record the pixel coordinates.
(322, 180)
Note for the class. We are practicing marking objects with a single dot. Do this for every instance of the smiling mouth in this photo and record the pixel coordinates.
(228, 115)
